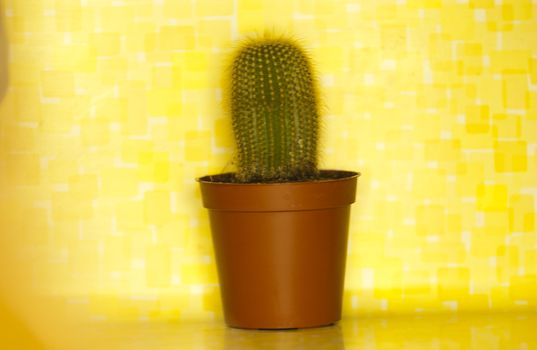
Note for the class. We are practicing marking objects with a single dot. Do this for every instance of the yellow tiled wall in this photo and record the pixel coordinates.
(114, 107)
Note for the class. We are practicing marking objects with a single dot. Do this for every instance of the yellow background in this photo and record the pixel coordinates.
(113, 108)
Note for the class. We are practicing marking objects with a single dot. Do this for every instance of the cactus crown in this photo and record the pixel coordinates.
(274, 111)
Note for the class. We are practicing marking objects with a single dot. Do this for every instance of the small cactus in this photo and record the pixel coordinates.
(275, 111)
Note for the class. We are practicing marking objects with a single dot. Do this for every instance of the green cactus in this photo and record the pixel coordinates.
(275, 111)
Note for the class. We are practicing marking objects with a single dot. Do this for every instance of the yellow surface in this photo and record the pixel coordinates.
(491, 332)
(114, 107)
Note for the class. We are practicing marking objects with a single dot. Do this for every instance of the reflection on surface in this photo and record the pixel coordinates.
(485, 331)
(325, 338)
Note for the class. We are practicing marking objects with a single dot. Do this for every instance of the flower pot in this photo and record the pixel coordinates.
(280, 248)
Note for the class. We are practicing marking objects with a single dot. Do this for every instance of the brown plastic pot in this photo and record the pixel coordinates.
(280, 249)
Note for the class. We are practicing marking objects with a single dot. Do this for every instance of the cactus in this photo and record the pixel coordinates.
(275, 111)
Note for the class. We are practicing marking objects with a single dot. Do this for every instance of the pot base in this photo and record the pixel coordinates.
(282, 329)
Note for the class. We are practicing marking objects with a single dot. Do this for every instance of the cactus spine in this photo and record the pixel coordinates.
(274, 110)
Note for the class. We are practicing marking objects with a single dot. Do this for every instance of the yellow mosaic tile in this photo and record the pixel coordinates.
(114, 107)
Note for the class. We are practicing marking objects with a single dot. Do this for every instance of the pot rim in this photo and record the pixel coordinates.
(282, 196)
(347, 174)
